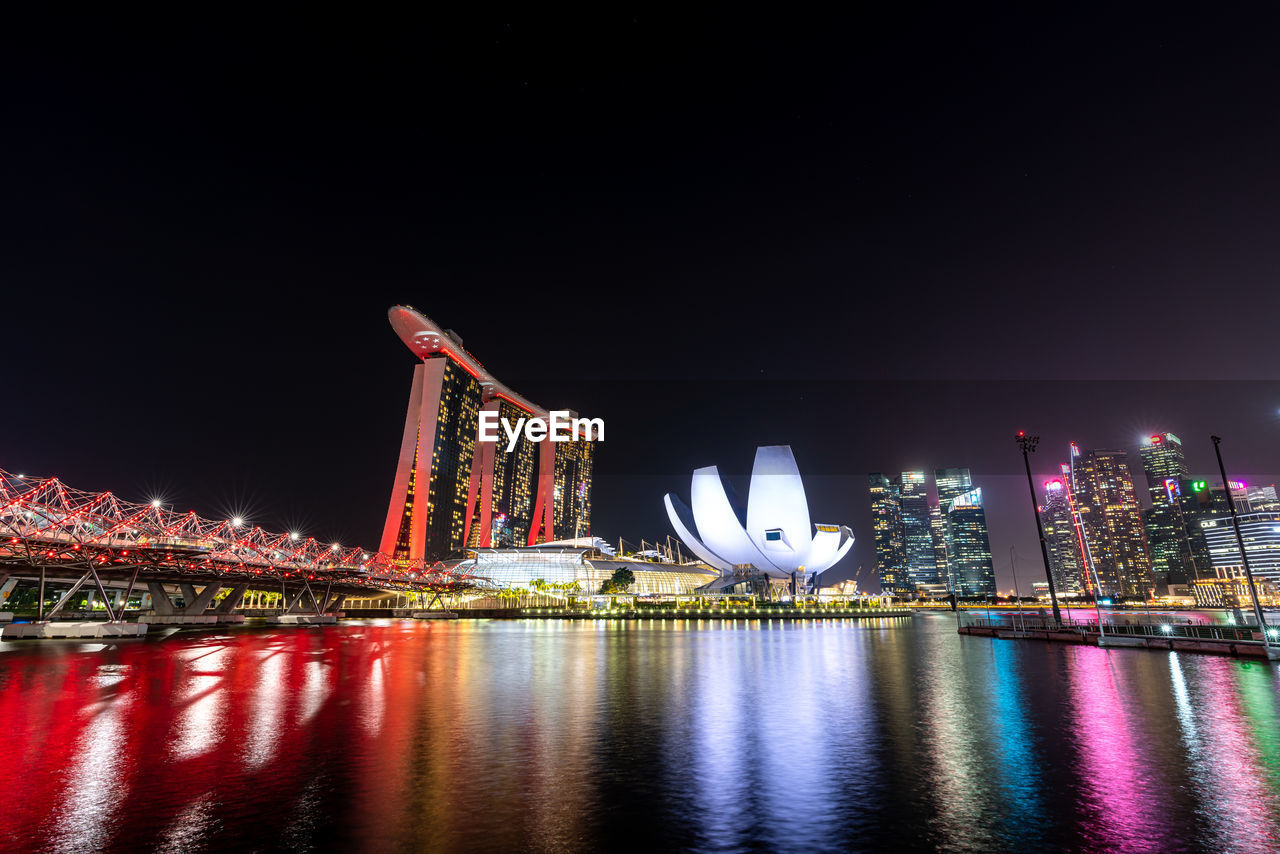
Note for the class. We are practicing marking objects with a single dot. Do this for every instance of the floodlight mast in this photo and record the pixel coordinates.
(1028, 446)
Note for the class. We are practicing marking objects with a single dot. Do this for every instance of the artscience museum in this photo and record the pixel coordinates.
(771, 534)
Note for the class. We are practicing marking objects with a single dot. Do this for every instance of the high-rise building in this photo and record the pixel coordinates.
(938, 532)
(950, 483)
(572, 488)
(1111, 522)
(969, 554)
(453, 491)
(921, 565)
(1167, 541)
(887, 529)
(429, 501)
(969, 567)
(509, 516)
(1066, 559)
(1261, 535)
(1254, 499)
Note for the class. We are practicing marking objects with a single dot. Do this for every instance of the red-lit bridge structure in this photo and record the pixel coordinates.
(55, 532)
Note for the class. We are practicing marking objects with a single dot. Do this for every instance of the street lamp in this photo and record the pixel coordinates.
(1028, 446)
(1244, 558)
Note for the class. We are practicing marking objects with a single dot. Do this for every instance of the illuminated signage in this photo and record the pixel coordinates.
(968, 499)
(1172, 489)
(1199, 485)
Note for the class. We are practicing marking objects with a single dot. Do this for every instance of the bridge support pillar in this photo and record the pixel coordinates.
(335, 603)
(160, 600)
(294, 604)
(66, 597)
(232, 600)
(199, 604)
(88, 601)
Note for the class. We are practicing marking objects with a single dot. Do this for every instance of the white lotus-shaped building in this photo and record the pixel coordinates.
(773, 535)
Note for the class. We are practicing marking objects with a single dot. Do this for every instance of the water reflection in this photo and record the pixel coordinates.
(720, 736)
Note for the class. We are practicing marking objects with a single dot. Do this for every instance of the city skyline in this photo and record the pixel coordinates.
(234, 308)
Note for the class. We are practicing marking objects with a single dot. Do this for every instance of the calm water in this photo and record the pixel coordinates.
(509, 736)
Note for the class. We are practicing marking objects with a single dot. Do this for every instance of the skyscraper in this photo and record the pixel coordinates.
(572, 489)
(969, 558)
(508, 514)
(938, 531)
(1066, 561)
(1167, 542)
(921, 565)
(950, 483)
(969, 564)
(452, 490)
(887, 529)
(1111, 522)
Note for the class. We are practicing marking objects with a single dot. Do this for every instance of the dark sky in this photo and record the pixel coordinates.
(888, 241)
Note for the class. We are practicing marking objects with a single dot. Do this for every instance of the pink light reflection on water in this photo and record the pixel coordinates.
(1121, 808)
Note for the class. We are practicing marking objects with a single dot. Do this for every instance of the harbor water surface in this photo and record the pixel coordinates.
(467, 735)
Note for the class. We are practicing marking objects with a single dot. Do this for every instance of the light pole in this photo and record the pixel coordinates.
(1244, 558)
(1028, 445)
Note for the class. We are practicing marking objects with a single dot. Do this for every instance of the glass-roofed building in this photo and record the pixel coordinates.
(560, 567)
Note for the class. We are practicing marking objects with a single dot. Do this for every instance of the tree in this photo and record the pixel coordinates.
(621, 580)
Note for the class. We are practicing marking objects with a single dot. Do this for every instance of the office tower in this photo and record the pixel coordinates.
(453, 491)
(1261, 534)
(887, 530)
(938, 532)
(921, 565)
(1066, 561)
(969, 565)
(1167, 540)
(950, 483)
(1111, 522)
(969, 551)
(1254, 499)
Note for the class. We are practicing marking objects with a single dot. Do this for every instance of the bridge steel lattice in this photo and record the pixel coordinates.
(55, 531)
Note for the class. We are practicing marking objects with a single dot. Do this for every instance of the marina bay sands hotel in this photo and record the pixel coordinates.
(453, 491)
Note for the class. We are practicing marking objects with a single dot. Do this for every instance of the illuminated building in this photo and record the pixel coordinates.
(511, 515)
(938, 531)
(887, 529)
(561, 570)
(904, 528)
(1111, 522)
(1261, 534)
(969, 550)
(572, 488)
(450, 489)
(1066, 561)
(917, 536)
(950, 483)
(1254, 499)
(1168, 544)
(772, 533)
(969, 566)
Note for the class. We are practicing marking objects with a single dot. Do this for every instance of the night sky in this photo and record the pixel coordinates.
(888, 242)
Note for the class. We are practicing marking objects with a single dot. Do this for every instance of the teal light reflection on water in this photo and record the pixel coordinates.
(729, 735)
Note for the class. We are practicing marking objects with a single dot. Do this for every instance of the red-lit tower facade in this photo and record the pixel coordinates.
(452, 491)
